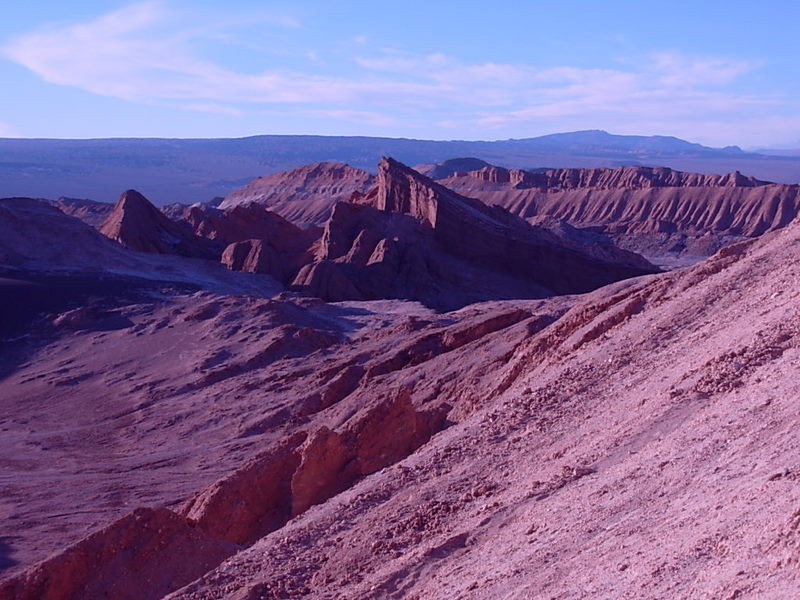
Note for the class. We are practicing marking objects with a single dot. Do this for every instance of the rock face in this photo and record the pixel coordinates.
(137, 224)
(637, 441)
(256, 240)
(239, 223)
(631, 178)
(649, 210)
(304, 195)
(90, 212)
(648, 403)
(410, 237)
(156, 549)
(263, 256)
(450, 167)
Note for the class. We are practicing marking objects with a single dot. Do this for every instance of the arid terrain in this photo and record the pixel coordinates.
(455, 381)
(198, 170)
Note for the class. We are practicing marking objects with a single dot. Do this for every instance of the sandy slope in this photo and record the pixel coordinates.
(645, 449)
(635, 442)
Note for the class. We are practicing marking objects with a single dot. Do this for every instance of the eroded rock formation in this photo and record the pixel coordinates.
(304, 195)
(137, 224)
(410, 237)
(655, 211)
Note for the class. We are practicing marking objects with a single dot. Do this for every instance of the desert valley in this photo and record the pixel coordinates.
(447, 380)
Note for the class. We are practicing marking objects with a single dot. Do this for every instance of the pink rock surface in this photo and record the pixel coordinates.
(636, 441)
(641, 446)
(136, 224)
(142, 556)
(304, 195)
(654, 211)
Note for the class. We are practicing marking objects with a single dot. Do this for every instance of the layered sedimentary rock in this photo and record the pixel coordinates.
(410, 237)
(304, 195)
(650, 210)
(637, 441)
(255, 239)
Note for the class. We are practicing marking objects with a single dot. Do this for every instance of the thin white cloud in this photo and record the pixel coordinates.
(211, 107)
(142, 53)
(118, 55)
(677, 70)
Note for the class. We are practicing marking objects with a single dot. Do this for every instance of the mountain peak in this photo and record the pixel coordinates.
(136, 224)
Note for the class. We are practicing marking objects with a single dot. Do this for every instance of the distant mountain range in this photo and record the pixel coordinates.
(196, 170)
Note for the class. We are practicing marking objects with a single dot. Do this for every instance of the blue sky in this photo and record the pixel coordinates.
(719, 73)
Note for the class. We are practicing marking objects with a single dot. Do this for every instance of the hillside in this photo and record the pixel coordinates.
(198, 170)
(428, 397)
(661, 213)
(634, 442)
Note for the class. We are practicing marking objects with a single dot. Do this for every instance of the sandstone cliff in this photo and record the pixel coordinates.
(649, 210)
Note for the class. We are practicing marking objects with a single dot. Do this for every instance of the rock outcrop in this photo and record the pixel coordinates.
(304, 195)
(142, 556)
(450, 167)
(255, 239)
(654, 211)
(90, 212)
(410, 237)
(649, 403)
(136, 224)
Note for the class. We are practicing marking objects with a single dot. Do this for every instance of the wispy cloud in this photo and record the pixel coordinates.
(124, 54)
(142, 53)
(211, 107)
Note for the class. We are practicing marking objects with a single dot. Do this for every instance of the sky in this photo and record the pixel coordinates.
(718, 73)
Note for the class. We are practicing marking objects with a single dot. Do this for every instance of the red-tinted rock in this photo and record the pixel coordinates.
(137, 224)
(142, 556)
(90, 212)
(410, 237)
(304, 195)
(650, 210)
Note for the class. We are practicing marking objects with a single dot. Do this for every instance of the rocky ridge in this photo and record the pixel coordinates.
(654, 211)
(410, 237)
(304, 195)
(136, 224)
(617, 444)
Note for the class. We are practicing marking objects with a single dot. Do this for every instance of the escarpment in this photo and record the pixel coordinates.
(410, 237)
(654, 211)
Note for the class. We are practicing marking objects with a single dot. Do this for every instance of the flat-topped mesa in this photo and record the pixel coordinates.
(514, 177)
(136, 224)
(659, 212)
(450, 167)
